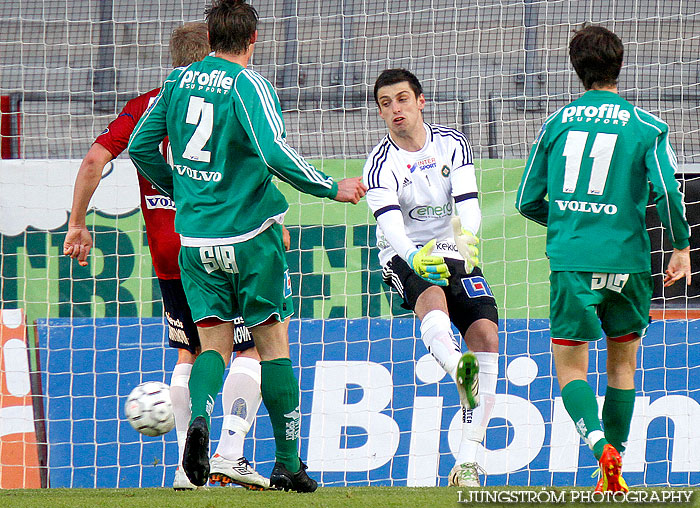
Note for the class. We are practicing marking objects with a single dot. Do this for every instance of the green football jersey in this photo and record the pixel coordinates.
(587, 179)
(227, 139)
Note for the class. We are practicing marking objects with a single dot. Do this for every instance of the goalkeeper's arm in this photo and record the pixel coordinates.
(465, 228)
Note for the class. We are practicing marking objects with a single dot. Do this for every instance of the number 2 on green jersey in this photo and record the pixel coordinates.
(601, 153)
(201, 114)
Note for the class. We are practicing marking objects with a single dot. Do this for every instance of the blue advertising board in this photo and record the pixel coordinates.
(376, 409)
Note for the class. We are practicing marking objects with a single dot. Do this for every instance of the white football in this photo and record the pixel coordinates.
(149, 410)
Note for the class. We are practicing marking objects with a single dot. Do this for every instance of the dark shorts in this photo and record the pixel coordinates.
(182, 332)
(468, 296)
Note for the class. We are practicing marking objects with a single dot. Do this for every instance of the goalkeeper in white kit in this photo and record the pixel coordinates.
(418, 176)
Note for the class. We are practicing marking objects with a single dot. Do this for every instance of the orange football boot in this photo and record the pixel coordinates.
(611, 471)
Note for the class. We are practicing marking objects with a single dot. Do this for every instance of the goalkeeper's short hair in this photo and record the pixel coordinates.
(392, 76)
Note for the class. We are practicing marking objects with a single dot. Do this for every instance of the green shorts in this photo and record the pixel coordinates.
(584, 305)
(249, 279)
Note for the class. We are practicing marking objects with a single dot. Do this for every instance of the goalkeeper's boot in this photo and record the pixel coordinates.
(181, 482)
(467, 378)
(237, 471)
(465, 475)
(611, 471)
(195, 460)
(282, 479)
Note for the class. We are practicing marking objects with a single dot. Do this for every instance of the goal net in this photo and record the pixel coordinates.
(375, 409)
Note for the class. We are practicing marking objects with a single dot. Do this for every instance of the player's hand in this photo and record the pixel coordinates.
(286, 239)
(351, 190)
(466, 245)
(77, 244)
(429, 267)
(678, 267)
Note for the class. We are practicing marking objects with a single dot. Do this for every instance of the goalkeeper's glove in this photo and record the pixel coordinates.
(431, 268)
(466, 245)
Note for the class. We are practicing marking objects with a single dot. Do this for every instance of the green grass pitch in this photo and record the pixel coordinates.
(371, 497)
(332, 497)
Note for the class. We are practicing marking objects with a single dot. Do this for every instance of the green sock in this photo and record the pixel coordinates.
(206, 379)
(618, 409)
(280, 393)
(580, 403)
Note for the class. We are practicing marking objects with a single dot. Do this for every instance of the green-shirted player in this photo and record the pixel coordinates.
(227, 136)
(594, 159)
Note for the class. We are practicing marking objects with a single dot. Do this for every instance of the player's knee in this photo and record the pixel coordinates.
(621, 370)
(184, 356)
(482, 336)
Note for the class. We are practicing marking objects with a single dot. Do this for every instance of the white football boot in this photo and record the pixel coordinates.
(237, 471)
(181, 482)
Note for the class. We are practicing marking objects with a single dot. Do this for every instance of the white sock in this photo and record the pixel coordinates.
(475, 421)
(436, 332)
(180, 398)
(241, 400)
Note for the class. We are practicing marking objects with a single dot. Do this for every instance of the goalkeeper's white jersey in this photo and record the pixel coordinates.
(423, 185)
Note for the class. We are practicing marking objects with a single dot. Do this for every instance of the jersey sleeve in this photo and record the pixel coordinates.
(260, 114)
(392, 226)
(530, 200)
(661, 166)
(463, 181)
(145, 141)
(115, 137)
(463, 176)
(462, 154)
(382, 184)
(383, 199)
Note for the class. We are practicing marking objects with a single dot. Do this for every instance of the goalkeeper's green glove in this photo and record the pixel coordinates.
(431, 268)
(466, 245)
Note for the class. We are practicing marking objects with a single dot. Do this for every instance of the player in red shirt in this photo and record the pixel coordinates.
(241, 391)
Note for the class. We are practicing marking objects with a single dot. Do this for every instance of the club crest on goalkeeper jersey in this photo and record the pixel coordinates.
(422, 185)
(227, 138)
(593, 161)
